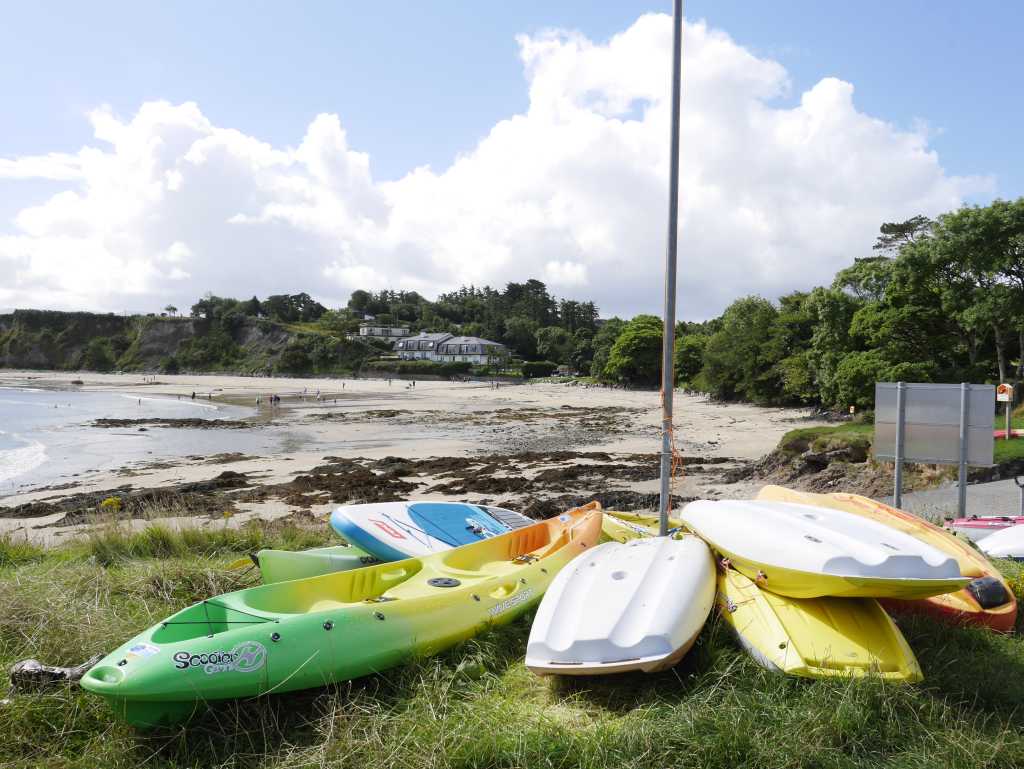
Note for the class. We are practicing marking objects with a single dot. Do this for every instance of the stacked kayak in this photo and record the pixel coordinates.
(1008, 543)
(977, 527)
(309, 632)
(389, 531)
(638, 605)
(986, 600)
(395, 530)
(805, 551)
(810, 637)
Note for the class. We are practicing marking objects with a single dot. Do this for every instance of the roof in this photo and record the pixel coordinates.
(472, 340)
(436, 337)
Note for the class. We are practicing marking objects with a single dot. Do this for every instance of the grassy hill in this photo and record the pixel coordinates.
(44, 339)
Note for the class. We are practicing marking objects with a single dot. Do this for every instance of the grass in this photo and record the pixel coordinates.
(861, 435)
(476, 705)
(824, 438)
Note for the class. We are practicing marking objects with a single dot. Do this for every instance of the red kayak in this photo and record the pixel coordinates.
(977, 527)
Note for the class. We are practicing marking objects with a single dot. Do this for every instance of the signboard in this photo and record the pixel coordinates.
(932, 423)
(1004, 393)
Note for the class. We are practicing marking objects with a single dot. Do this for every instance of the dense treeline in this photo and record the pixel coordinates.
(939, 300)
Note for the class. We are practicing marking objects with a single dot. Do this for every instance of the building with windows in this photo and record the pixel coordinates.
(446, 348)
(382, 332)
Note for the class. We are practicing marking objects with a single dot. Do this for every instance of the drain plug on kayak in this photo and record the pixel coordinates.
(443, 582)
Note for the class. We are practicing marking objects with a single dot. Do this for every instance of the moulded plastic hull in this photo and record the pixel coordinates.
(638, 605)
(805, 551)
(310, 632)
(1008, 543)
(395, 530)
(815, 637)
(987, 585)
(810, 637)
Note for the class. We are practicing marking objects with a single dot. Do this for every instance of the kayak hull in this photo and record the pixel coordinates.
(962, 606)
(827, 552)
(811, 638)
(816, 637)
(1008, 543)
(311, 632)
(392, 531)
(638, 605)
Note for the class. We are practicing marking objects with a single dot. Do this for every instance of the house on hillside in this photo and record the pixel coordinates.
(446, 348)
(423, 346)
(376, 331)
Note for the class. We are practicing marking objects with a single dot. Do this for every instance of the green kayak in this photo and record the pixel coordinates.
(305, 633)
(283, 565)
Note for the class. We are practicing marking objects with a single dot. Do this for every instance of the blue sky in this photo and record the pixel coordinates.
(780, 191)
(417, 82)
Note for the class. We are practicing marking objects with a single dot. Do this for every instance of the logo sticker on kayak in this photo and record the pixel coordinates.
(143, 650)
(245, 657)
(508, 603)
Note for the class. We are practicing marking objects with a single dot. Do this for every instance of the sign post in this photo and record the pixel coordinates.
(934, 423)
(1004, 394)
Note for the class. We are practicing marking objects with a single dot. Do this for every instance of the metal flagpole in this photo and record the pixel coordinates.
(668, 337)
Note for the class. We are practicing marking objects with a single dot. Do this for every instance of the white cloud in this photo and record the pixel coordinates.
(168, 206)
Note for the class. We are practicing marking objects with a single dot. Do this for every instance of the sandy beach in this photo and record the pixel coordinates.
(531, 447)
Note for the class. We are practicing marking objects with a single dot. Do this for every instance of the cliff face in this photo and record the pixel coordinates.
(41, 339)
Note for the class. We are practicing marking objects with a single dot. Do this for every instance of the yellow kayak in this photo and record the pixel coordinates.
(815, 637)
(808, 637)
(986, 600)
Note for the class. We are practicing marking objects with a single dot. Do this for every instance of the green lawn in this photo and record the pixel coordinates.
(476, 705)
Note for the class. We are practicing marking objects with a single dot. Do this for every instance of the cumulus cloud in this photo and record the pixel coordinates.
(165, 206)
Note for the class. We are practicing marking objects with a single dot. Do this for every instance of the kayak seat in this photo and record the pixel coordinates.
(302, 596)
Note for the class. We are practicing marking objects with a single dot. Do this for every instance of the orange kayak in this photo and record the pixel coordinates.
(987, 600)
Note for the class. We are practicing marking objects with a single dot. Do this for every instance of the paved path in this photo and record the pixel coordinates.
(994, 498)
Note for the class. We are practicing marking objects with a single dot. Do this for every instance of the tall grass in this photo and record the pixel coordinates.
(477, 706)
(114, 543)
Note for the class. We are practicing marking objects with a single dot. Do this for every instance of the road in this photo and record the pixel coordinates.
(994, 498)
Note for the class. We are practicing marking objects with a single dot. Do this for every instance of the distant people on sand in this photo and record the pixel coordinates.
(193, 395)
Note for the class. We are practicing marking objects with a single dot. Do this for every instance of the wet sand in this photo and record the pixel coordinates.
(532, 447)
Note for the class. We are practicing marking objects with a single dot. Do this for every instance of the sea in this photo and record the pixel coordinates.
(46, 437)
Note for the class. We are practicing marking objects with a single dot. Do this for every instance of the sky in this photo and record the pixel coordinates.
(151, 152)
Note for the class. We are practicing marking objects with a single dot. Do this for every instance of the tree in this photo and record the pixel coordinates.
(895, 235)
(689, 357)
(171, 309)
(98, 355)
(737, 361)
(521, 336)
(635, 358)
(554, 343)
(605, 337)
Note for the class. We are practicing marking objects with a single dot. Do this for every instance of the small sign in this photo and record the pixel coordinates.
(1004, 393)
(853, 409)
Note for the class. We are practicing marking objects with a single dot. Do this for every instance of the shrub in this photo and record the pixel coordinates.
(538, 368)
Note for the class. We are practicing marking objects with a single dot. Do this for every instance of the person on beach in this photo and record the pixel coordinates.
(193, 395)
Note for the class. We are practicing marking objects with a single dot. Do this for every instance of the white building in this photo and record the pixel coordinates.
(445, 348)
(383, 332)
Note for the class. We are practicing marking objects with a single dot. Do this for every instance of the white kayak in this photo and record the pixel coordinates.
(392, 531)
(805, 551)
(1005, 543)
(637, 605)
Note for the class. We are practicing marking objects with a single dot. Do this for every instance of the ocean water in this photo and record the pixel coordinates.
(45, 436)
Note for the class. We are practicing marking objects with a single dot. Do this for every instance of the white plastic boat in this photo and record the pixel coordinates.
(392, 531)
(637, 605)
(1005, 543)
(805, 551)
